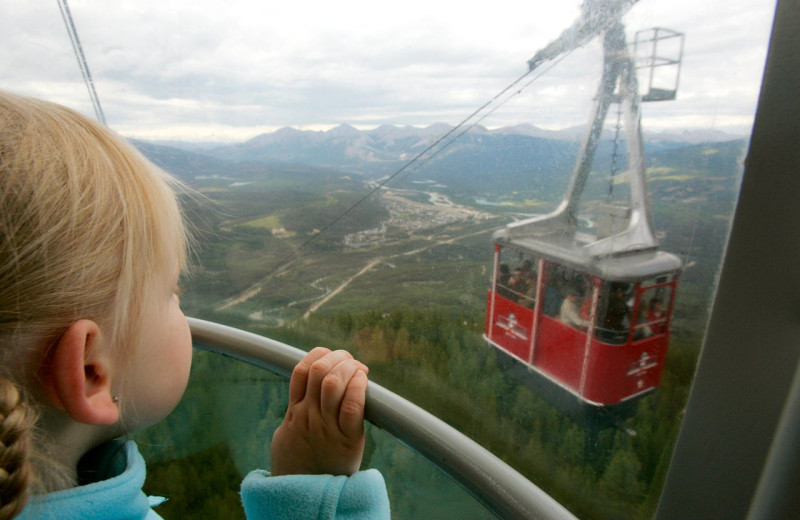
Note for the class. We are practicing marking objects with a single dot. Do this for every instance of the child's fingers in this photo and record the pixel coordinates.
(333, 389)
(300, 375)
(351, 411)
(319, 369)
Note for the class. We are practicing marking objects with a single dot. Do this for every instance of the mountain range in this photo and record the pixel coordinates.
(477, 161)
(383, 149)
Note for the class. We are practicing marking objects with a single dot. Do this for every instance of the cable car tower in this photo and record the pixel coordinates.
(587, 311)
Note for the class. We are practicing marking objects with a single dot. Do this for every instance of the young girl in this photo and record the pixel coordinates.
(93, 344)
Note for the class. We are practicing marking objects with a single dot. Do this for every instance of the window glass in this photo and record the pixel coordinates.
(220, 431)
(654, 299)
(517, 280)
(336, 208)
(614, 312)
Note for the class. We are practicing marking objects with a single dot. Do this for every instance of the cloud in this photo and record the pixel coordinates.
(231, 70)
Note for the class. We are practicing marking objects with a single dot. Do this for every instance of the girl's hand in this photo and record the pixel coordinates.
(323, 431)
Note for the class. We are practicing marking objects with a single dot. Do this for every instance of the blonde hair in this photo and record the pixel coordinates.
(86, 224)
(15, 468)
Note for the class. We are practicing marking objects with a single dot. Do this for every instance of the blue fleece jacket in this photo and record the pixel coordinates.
(361, 496)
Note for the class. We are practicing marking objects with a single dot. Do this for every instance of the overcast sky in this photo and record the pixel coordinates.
(229, 70)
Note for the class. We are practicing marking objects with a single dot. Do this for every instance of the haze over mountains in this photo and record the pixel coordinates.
(478, 161)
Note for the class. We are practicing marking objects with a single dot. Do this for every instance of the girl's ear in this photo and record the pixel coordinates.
(77, 375)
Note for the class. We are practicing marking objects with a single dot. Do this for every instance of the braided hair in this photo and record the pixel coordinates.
(16, 421)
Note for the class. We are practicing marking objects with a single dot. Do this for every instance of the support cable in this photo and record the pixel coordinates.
(418, 159)
(84, 66)
(493, 110)
(415, 159)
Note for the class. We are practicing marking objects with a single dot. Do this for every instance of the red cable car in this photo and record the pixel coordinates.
(587, 308)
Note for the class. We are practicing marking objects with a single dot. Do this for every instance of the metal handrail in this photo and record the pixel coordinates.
(494, 483)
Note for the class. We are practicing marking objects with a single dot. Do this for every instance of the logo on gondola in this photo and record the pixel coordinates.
(642, 365)
(509, 323)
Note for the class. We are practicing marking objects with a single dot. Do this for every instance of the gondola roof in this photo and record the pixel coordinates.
(576, 251)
